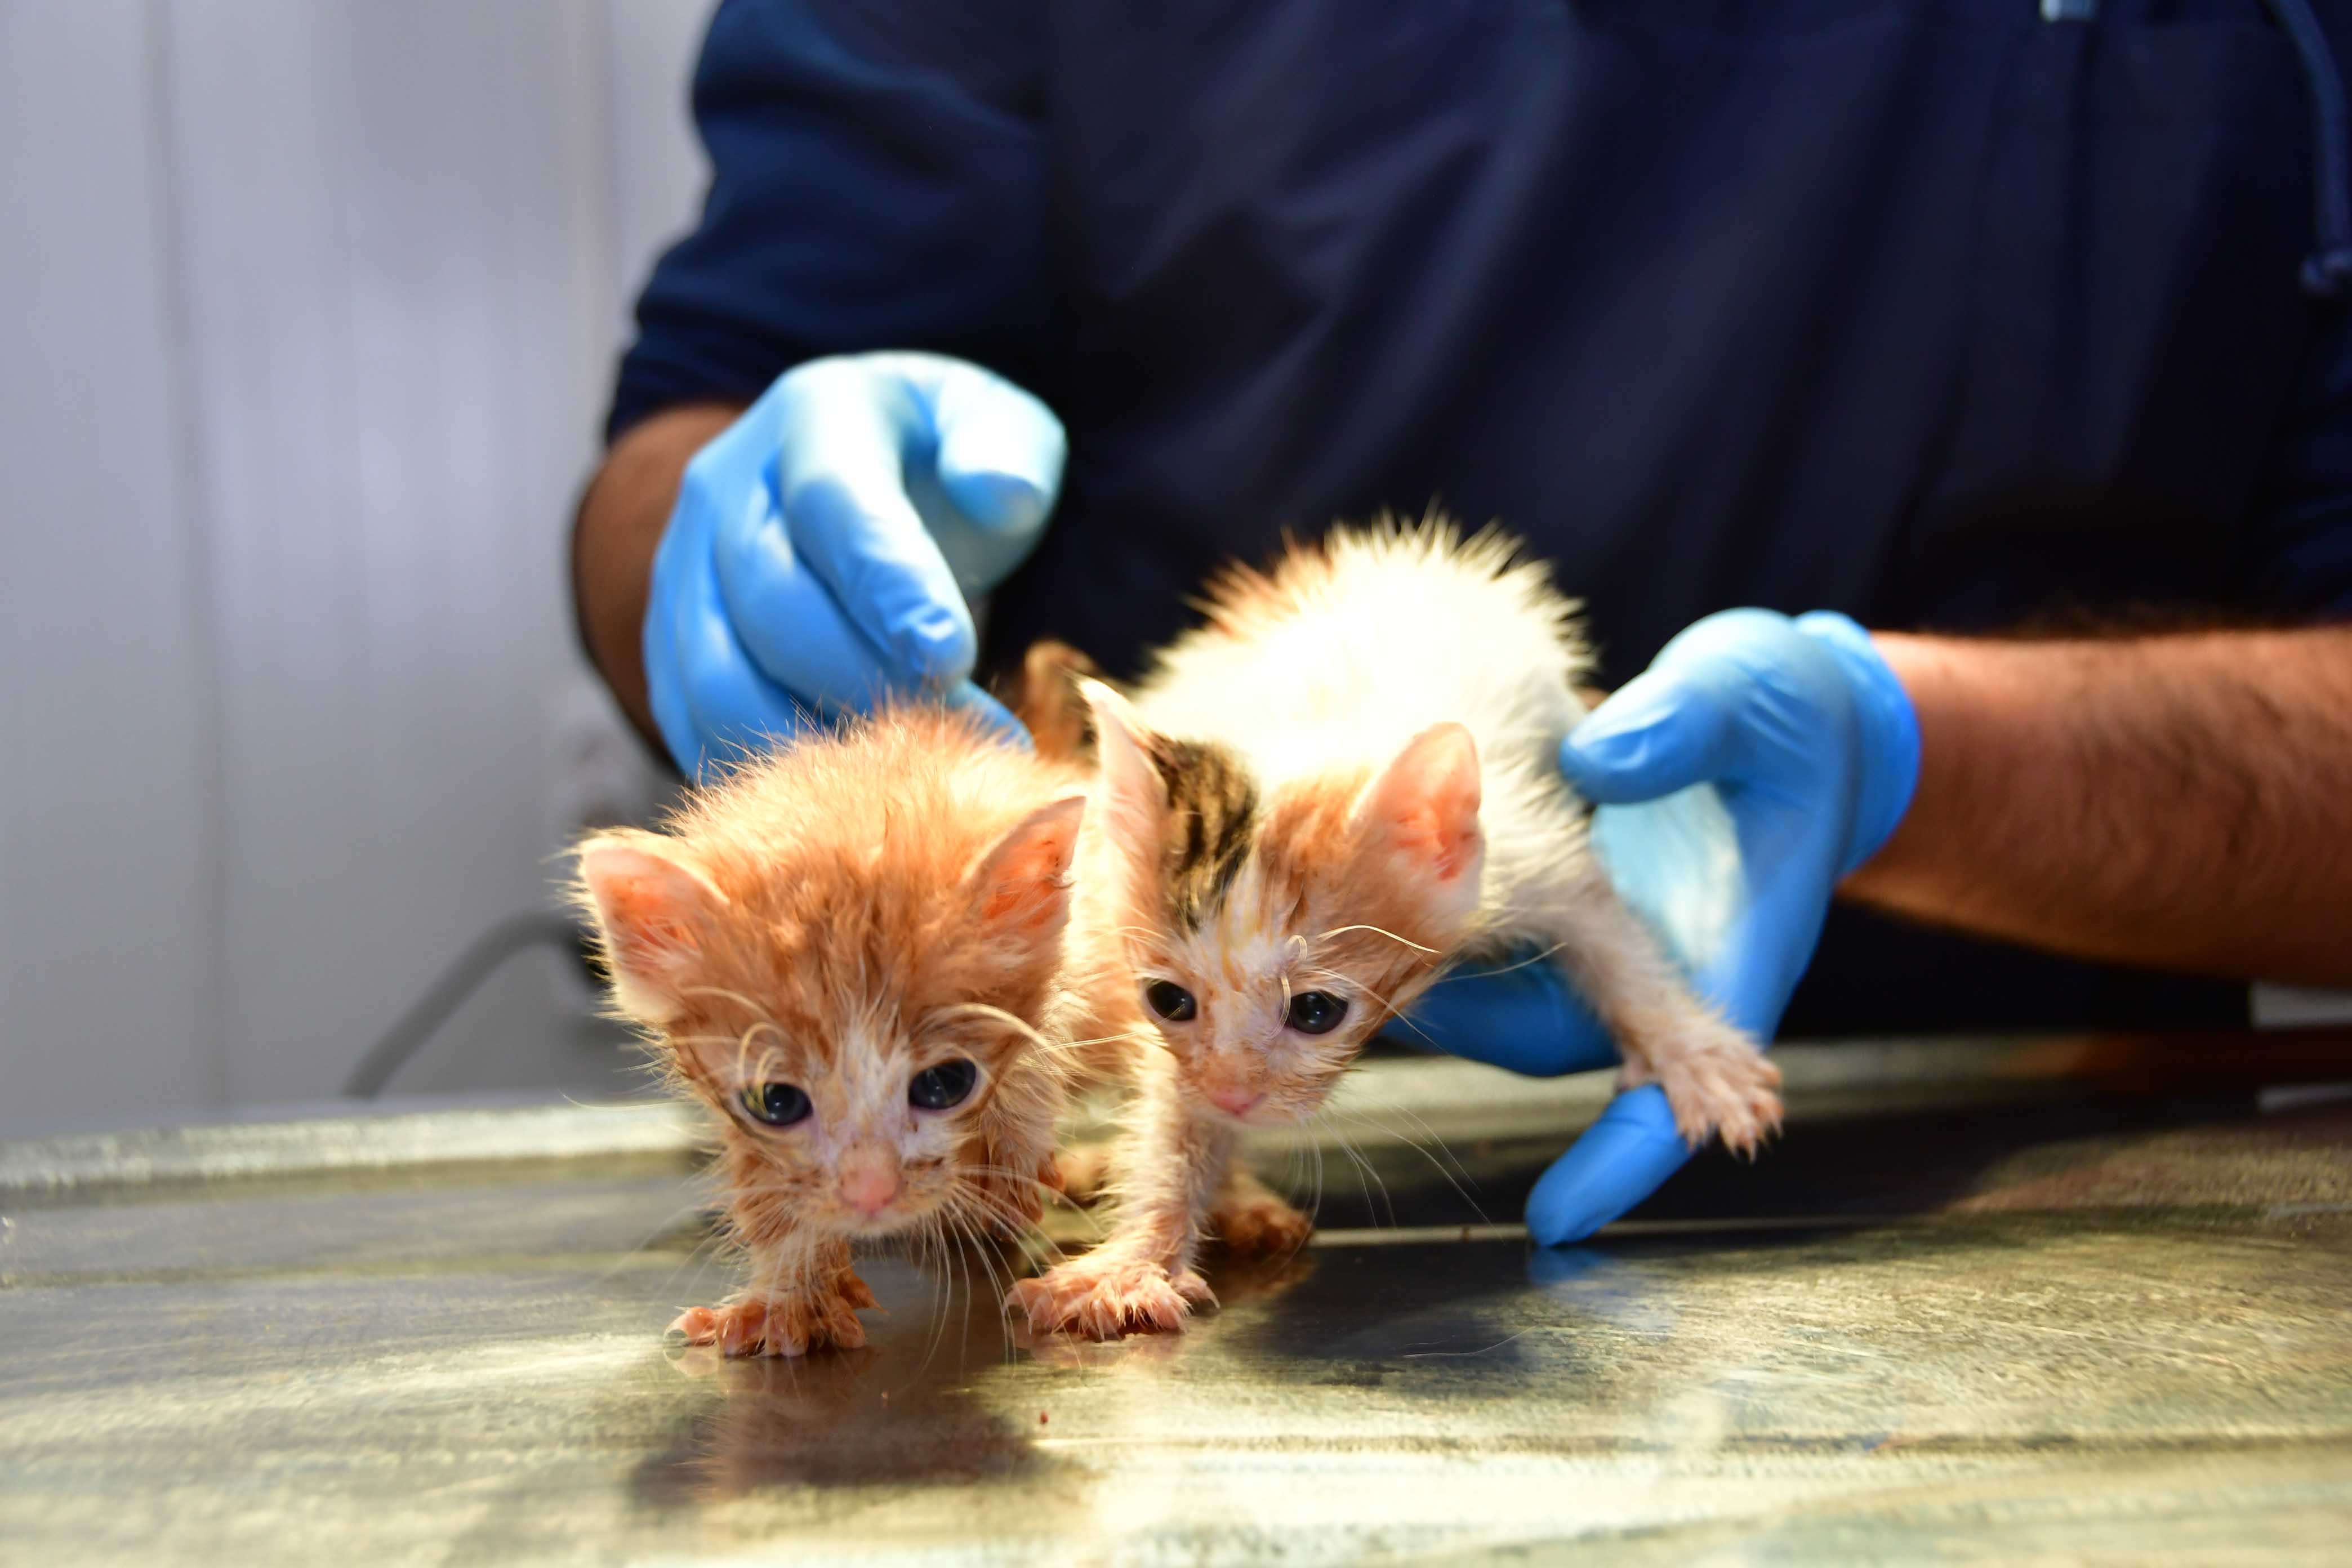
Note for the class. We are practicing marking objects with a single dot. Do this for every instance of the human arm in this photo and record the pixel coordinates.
(622, 514)
(2032, 817)
(2178, 802)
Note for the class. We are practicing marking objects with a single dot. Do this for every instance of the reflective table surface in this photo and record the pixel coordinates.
(2059, 1302)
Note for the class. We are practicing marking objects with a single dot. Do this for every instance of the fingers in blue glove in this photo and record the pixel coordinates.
(787, 617)
(1523, 1016)
(1621, 1160)
(805, 571)
(709, 701)
(1657, 734)
(968, 698)
(845, 438)
(1001, 451)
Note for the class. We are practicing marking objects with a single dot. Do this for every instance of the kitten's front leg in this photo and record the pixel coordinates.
(1716, 1078)
(804, 1296)
(1172, 1165)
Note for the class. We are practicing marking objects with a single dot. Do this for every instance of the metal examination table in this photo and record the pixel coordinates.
(2043, 1300)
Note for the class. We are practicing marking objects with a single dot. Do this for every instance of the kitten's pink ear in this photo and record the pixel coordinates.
(1022, 887)
(1422, 812)
(653, 915)
(1134, 800)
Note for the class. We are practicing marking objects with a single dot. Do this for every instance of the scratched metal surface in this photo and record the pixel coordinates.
(2059, 1323)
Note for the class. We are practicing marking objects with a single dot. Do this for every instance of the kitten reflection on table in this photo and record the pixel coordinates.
(831, 1421)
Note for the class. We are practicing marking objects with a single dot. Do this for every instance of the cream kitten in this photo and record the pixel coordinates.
(851, 951)
(1343, 782)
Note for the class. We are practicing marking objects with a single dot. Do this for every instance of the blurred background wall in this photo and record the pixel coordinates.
(307, 315)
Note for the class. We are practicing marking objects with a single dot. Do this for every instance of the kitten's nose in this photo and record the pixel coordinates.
(1234, 1098)
(869, 1180)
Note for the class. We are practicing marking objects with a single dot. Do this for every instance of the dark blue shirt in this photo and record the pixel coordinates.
(1933, 311)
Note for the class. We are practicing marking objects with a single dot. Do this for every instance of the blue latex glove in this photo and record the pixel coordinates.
(825, 546)
(1804, 750)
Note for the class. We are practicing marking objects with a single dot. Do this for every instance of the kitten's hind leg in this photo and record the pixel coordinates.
(1716, 1077)
(1256, 1221)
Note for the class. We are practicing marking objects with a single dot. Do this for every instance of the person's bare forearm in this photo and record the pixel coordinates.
(622, 515)
(2180, 801)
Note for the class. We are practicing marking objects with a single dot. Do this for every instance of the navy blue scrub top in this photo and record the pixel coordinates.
(1940, 312)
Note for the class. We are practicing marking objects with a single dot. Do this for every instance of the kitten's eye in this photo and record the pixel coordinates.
(777, 1104)
(936, 1089)
(1171, 1001)
(1316, 1012)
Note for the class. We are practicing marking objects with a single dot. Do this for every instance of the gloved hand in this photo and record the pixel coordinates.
(1805, 750)
(824, 547)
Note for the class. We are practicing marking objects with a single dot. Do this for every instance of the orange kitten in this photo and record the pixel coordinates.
(851, 951)
(1342, 783)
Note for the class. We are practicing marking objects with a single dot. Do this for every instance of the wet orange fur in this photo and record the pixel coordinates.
(840, 914)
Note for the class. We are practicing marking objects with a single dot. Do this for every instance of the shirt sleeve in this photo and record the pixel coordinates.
(878, 181)
(2300, 546)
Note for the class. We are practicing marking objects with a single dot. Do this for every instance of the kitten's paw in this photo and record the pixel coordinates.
(1259, 1223)
(1104, 1298)
(783, 1325)
(1083, 1171)
(1719, 1084)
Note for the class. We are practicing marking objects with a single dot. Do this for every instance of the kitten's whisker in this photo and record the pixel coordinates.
(1003, 1213)
(1376, 930)
(1000, 1287)
(1316, 1148)
(1364, 1173)
(1010, 1175)
(1106, 1039)
(935, 1233)
(1416, 1117)
(713, 1242)
(963, 1268)
(660, 1227)
(1460, 1189)
(970, 1244)
(954, 1268)
(994, 1014)
(1533, 958)
(947, 1286)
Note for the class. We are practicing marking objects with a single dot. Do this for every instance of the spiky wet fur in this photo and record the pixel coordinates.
(1249, 861)
(844, 942)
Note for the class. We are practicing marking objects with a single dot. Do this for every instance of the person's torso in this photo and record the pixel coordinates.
(1937, 313)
